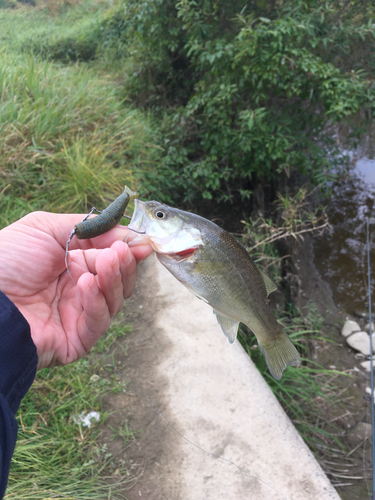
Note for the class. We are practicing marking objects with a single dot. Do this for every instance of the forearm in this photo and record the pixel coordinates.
(18, 362)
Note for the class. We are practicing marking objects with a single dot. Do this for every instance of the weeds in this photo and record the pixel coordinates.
(308, 393)
(55, 456)
(124, 432)
(297, 217)
(66, 141)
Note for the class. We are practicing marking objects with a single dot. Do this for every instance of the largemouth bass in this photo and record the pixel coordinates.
(216, 268)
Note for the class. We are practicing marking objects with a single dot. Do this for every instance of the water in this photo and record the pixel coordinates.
(365, 168)
(340, 254)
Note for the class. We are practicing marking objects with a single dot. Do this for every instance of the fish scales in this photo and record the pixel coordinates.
(214, 266)
(208, 269)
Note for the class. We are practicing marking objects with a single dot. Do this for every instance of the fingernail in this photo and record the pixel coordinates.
(116, 266)
(94, 286)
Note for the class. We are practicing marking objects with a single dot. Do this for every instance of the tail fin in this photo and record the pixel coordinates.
(280, 354)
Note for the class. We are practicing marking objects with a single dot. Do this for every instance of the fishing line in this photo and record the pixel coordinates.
(364, 275)
(191, 442)
(371, 359)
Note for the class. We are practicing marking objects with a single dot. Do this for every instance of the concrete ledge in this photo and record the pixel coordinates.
(216, 398)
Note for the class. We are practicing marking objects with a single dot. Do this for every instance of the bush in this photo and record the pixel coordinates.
(8, 4)
(149, 35)
(243, 93)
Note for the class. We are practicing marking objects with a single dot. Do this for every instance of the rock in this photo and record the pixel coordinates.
(361, 313)
(366, 365)
(360, 341)
(360, 432)
(346, 421)
(359, 355)
(367, 328)
(350, 327)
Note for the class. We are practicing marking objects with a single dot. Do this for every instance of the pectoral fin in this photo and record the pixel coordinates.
(228, 325)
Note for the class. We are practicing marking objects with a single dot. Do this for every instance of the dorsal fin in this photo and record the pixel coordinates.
(270, 285)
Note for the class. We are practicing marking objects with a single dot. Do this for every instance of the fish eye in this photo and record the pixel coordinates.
(160, 214)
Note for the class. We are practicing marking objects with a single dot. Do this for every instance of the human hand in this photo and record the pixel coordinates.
(66, 321)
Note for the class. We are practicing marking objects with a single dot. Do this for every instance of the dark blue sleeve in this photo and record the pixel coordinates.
(18, 362)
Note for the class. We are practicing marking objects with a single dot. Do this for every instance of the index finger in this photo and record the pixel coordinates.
(60, 227)
(105, 240)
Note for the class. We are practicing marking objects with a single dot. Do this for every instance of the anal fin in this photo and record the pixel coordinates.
(228, 325)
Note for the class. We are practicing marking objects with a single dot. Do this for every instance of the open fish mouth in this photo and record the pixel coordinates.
(183, 255)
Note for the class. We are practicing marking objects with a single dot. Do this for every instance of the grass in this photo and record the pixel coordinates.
(308, 394)
(311, 394)
(22, 26)
(67, 142)
(55, 456)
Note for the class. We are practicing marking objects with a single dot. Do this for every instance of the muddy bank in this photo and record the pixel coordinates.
(349, 468)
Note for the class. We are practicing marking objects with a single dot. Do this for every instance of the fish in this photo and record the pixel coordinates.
(216, 268)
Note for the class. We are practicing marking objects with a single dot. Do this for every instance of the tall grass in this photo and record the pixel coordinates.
(309, 394)
(57, 456)
(28, 28)
(66, 141)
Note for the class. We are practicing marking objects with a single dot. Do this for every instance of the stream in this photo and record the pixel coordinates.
(340, 256)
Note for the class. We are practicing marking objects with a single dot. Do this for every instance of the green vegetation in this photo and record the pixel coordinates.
(236, 94)
(56, 455)
(67, 141)
(245, 91)
(311, 394)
